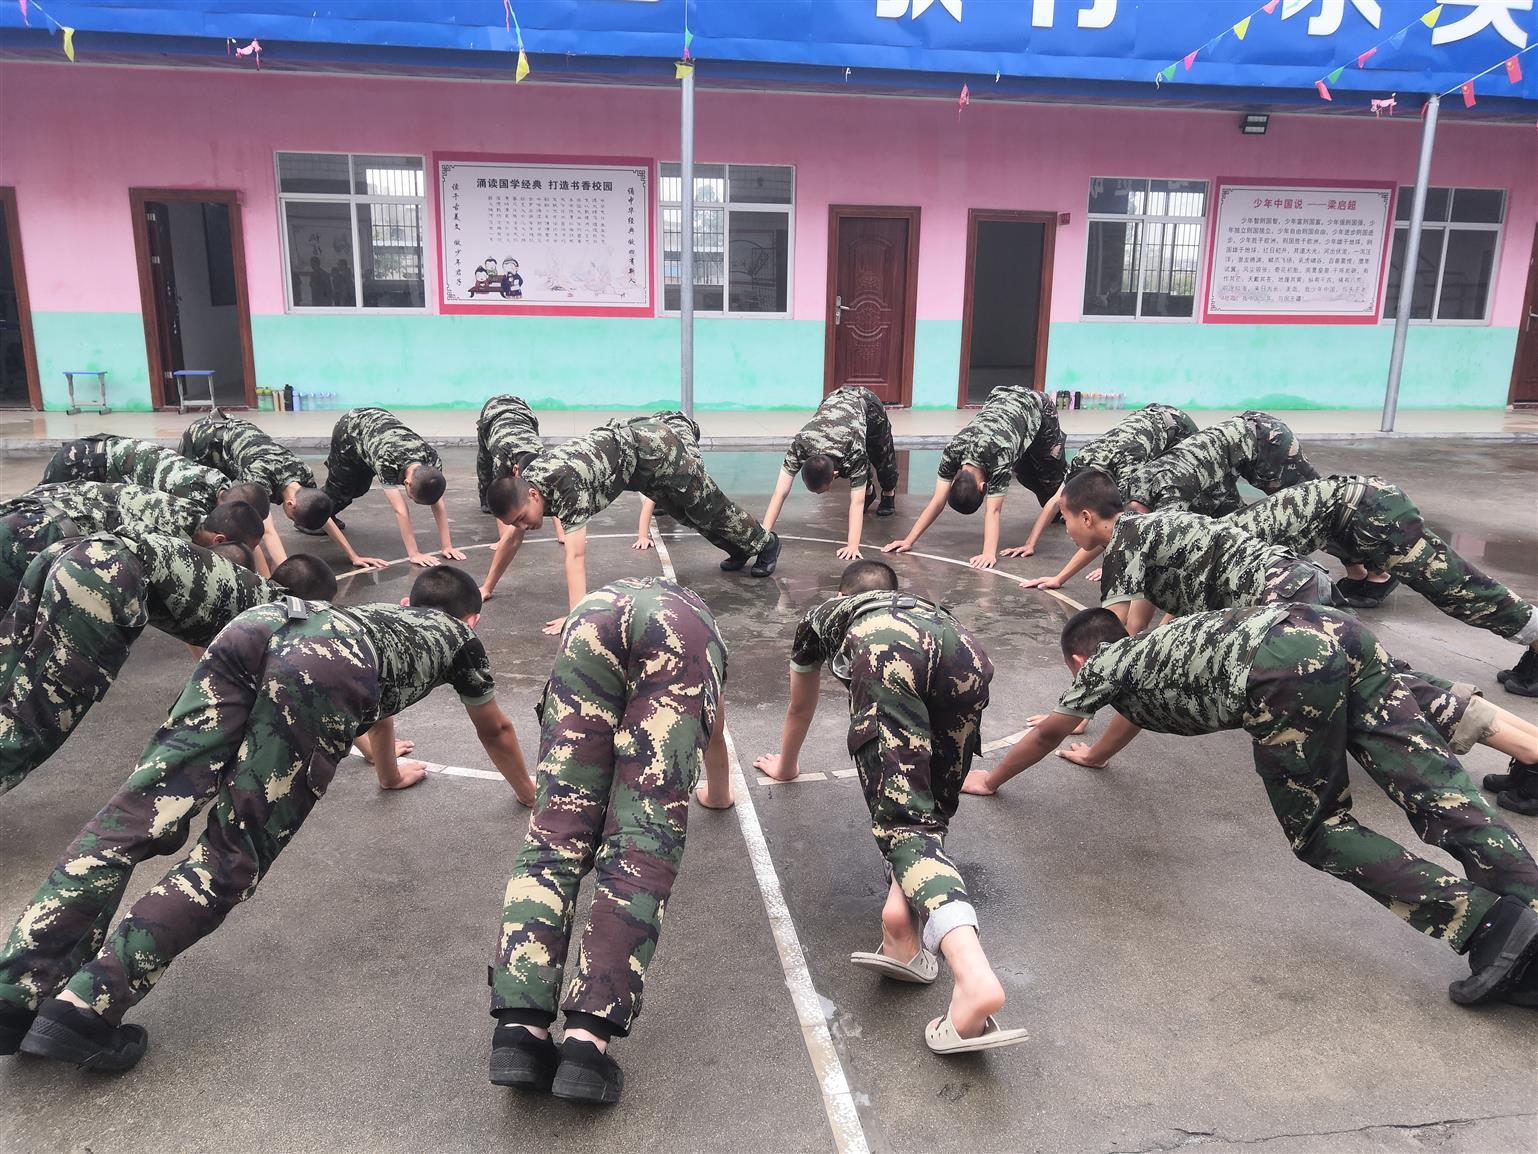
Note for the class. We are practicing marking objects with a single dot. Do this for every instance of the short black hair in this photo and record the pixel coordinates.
(966, 492)
(506, 497)
(235, 521)
(236, 552)
(818, 472)
(251, 493)
(444, 587)
(306, 576)
(1089, 629)
(312, 509)
(867, 577)
(522, 461)
(1095, 490)
(427, 485)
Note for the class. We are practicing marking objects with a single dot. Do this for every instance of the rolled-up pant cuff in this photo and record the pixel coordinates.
(1477, 722)
(945, 919)
(1529, 632)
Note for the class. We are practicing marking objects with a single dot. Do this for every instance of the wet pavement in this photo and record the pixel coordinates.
(1185, 980)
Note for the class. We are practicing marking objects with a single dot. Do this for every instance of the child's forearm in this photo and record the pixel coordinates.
(993, 522)
(576, 568)
(1117, 736)
(777, 500)
(643, 527)
(798, 722)
(502, 556)
(1045, 518)
(856, 518)
(1078, 561)
(272, 543)
(440, 515)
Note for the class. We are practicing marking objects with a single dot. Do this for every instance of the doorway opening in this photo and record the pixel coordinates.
(18, 356)
(192, 285)
(1524, 373)
(1007, 301)
(872, 300)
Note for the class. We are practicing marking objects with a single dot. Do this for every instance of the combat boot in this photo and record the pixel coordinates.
(1522, 678)
(768, 557)
(521, 1060)
(1365, 594)
(14, 1024)
(1501, 951)
(888, 506)
(587, 1074)
(1520, 794)
(1516, 772)
(67, 1033)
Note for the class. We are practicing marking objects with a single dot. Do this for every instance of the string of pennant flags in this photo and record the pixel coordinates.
(1512, 65)
(1394, 42)
(1240, 30)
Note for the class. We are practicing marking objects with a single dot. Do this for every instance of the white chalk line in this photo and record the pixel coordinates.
(449, 770)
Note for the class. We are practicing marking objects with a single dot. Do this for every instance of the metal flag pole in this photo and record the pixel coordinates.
(686, 263)
(1412, 252)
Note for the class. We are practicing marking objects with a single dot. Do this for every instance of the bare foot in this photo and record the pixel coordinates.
(973, 1002)
(900, 938)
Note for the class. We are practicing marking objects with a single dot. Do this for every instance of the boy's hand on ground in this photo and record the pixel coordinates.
(642, 543)
(407, 774)
(850, 553)
(525, 792)
(426, 560)
(370, 562)
(771, 765)
(486, 594)
(705, 799)
(896, 547)
(1041, 583)
(977, 783)
(553, 626)
(452, 553)
(1078, 753)
(1018, 551)
(1094, 575)
(984, 561)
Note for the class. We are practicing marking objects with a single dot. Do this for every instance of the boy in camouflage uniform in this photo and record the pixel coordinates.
(507, 438)
(657, 456)
(243, 452)
(120, 460)
(848, 436)
(1200, 474)
(918, 685)
(370, 444)
(1365, 520)
(632, 707)
(84, 601)
(1310, 685)
(1136, 439)
(271, 708)
(1016, 433)
(33, 521)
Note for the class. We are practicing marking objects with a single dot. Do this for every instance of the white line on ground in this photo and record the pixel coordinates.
(450, 770)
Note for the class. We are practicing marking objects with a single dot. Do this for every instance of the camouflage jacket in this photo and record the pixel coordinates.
(417, 650)
(581, 478)
(1137, 439)
(375, 439)
(825, 628)
(97, 507)
(995, 439)
(838, 428)
(508, 428)
(1185, 563)
(1306, 517)
(190, 592)
(1188, 677)
(243, 452)
(145, 463)
(1200, 474)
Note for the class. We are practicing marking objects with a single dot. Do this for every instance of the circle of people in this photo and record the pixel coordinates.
(1255, 635)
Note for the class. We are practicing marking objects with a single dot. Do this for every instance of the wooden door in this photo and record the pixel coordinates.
(1524, 374)
(167, 318)
(18, 355)
(871, 303)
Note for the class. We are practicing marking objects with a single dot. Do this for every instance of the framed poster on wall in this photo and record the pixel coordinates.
(1285, 253)
(530, 235)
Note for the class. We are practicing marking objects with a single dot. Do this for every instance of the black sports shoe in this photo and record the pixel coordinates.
(67, 1033)
(1522, 678)
(587, 1074)
(1517, 772)
(1519, 792)
(1500, 952)
(768, 557)
(521, 1060)
(735, 561)
(14, 1024)
(1365, 594)
(888, 506)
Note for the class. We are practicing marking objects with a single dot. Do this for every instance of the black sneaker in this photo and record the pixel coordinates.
(67, 1033)
(1365, 594)
(888, 506)
(14, 1024)
(521, 1060)
(768, 557)
(1501, 951)
(1521, 678)
(735, 561)
(587, 1074)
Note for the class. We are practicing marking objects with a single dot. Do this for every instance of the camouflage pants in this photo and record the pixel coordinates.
(684, 491)
(1293, 580)
(1320, 687)
(1044, 463)
(81, 460)
(879, 448)
(1274, 461)
(1385, 532)
(62, 645)
(25, 532)
(627, 713)
(918, 685)
(512, 414)
(258, 731)
(347, 476)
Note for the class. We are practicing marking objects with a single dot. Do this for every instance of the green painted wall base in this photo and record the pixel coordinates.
(741, 363)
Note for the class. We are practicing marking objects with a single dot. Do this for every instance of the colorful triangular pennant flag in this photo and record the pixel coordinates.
(1242, 27)
(1271, 7)
(964, 100)
(680, 70)
(1396, 41)
(1334, 77)
(1467, 89)
(1514, 70)
(688, 41)
(1323, 91)
(1361, 61)
(1168, 73)
(69, 42)
(1191, 59)
(523, 67)
(1430, 18)
(23, 5)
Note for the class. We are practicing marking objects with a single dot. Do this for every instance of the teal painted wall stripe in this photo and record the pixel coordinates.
(598, 362)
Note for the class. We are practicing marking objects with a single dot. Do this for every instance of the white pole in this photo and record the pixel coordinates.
(686, 265)
(1412, 252)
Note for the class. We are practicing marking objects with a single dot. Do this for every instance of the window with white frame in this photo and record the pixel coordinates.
(1455, 268)
(1145, 247)
(743, 218)
(352, 230)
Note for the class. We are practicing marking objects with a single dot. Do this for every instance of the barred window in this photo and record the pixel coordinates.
(1145, 247)
(1455, 267)
(744, 216)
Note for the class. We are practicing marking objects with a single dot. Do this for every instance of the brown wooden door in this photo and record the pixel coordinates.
(872, 305)
(167, 319)
(1524, 375)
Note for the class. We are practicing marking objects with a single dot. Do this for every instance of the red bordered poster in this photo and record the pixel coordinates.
(1295, 252)
(544, 235)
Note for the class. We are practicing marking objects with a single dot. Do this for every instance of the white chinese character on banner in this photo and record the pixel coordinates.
(1327, 23)
(1483, 14)
(1099, 14)
(896, 9)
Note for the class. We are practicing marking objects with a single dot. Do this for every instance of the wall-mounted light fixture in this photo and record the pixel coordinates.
(1254, 123)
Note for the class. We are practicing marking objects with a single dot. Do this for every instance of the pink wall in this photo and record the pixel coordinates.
(78, 136)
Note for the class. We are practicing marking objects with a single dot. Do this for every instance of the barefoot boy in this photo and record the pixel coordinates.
(918, 684)
(632, 707)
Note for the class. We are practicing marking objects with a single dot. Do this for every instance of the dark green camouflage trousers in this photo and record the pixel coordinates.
(265, 717)
(677, 481)
(84, 459)
(26, 530)
(77, 613)
(1320, 688)
(918, 685)
(1043, 463)
(625, 719)
(1275, 461)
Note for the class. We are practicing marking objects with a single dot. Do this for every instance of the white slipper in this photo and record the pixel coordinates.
(923, 968)
(943, 1038)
